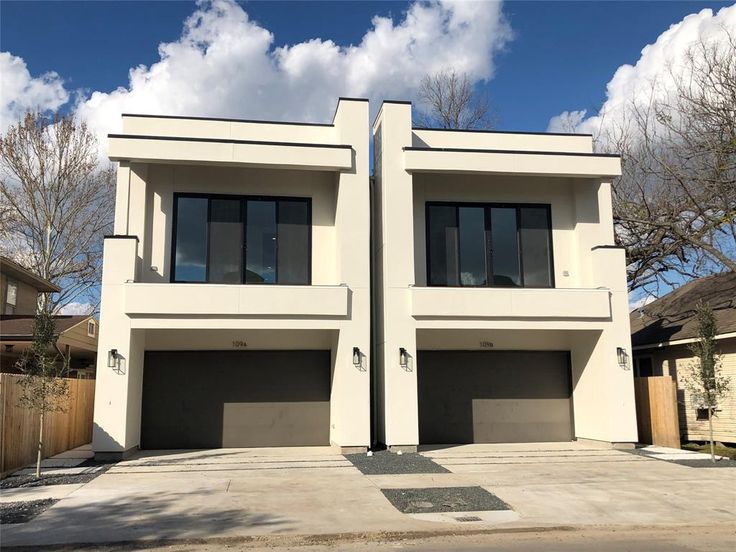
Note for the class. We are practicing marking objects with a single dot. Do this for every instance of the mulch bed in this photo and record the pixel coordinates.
(444, 499)
(386, 462)
(22, 512)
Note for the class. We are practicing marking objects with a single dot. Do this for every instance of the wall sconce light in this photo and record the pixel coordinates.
(356, 357)
(623, 357)
(112, 358)
(403, 357)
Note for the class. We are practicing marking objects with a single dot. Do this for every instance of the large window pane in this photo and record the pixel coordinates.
(472, 246)
(505, 247)
(442, 247)
(190, 263)
(536, 254)
(293, 242)
(260, 242)
(226, 242)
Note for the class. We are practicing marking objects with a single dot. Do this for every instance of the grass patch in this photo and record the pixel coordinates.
(729, 451)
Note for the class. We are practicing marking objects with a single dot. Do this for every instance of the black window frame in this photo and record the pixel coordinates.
(487, 206)
(243, 217)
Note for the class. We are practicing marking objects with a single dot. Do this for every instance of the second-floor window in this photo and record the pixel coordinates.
(11, 297)
(242, 239)
(488, 244)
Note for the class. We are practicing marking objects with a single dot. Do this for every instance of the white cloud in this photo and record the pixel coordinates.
(77, 308)
(634, 83)
(20, 91)
(640, 302)
(226, 65)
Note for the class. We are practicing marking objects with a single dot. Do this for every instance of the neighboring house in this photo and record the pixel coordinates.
(500, 299)
(662, 332)
(76, 336)
(236, 289)
(236, 293)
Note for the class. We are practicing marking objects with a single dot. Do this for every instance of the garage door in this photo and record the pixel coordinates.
(211, 399)
(494, 397)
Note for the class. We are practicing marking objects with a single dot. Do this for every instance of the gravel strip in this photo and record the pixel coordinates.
(444, 499)
(29, 480)
(384, 462)
(22, 512)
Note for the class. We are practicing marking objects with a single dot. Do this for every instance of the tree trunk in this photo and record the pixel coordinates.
(40, 446)
(710, 429)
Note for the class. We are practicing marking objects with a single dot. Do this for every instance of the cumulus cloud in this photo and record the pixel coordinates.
(633, 83)
(20, 91)
(225, 64)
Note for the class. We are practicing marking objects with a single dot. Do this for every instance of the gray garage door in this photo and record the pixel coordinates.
(494, 397)
(211, 399)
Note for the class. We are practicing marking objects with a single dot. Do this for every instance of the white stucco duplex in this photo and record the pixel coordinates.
(244, 305)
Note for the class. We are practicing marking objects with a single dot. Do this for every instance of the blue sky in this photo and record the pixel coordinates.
(543, 64)
(560, 58)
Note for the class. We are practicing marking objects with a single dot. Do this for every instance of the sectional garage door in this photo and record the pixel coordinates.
(494, 397)
(211, 399)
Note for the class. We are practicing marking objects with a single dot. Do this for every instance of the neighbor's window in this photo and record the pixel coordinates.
(234, 240)
(11, 297)
(476, 244)
(91, 328)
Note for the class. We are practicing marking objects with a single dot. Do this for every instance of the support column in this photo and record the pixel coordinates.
(118, 388)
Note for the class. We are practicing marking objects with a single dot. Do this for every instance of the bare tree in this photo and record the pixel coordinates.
(675, 204)
(704, 381)
(449, 100)
(57, 202)
(44, 388)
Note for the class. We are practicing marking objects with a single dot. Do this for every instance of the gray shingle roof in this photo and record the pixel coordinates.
(672, 317)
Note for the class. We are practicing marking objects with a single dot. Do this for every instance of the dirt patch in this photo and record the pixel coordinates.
(444, 499)
(22, 512)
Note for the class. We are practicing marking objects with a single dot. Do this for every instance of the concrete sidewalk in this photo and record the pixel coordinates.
(313, 491)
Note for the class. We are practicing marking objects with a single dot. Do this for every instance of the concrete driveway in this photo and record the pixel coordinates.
(308, 491)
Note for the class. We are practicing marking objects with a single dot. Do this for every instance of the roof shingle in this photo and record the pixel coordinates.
(672, 317)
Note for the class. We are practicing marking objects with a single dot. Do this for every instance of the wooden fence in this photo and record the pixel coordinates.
(62, 430)
(656, 411)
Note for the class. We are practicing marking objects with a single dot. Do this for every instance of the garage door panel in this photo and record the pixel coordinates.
(487, 397)
(211, 399)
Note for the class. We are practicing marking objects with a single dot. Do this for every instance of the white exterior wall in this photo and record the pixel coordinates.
(586, 313)
(144, 311)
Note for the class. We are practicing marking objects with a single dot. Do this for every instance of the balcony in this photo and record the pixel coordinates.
(510, 303)
(252, 301)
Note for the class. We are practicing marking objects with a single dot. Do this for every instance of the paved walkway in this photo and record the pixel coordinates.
(247, 492)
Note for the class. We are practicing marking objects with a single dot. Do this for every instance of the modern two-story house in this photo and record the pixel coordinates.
(260, 289)
(500, 304)
(236, 287)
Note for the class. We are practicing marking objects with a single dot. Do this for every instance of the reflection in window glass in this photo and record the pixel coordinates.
(260, 242)
(536, 255)
(505, 247)
(226, 246)
(293, 242)
(443, 246)
(190, 264)
(472, 246)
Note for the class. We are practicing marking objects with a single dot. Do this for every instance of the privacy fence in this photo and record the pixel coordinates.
(62, 430)
(656, 411)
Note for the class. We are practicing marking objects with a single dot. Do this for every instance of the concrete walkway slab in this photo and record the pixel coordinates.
(314, 491)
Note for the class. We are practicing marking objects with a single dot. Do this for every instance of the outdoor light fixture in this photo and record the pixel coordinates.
(356, 356)
(623, 357)
(112, 358)
(403, 357)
